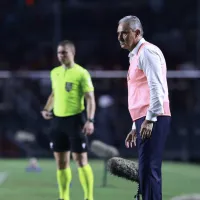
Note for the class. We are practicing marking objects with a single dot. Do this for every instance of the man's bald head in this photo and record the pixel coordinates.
(134, 23)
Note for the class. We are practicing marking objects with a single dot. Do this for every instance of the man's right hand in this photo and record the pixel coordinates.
(46, 114)
(131, 139)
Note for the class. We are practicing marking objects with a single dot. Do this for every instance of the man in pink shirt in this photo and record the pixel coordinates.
(148, 104)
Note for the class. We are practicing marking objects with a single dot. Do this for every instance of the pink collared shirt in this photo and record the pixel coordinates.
(147, 83)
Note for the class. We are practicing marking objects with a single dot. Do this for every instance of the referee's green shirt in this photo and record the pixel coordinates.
(69, 86)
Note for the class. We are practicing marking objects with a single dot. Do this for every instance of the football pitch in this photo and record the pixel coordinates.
(178, 179)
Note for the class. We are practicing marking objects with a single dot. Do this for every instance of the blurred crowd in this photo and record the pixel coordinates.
(26, 131)
(29, 33)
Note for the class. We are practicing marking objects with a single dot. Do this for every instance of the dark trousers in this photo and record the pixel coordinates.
(150, 153)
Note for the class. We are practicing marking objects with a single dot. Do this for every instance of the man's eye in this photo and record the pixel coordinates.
(62, 52)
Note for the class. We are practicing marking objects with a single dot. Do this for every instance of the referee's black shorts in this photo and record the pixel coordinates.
(66, 134)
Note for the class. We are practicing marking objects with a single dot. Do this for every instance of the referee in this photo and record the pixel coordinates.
(71, 83)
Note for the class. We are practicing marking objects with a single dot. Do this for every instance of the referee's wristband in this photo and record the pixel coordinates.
(46, 110)
(90, 120)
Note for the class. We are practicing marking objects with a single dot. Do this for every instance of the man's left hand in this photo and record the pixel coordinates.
(146, 129)
(88, 128)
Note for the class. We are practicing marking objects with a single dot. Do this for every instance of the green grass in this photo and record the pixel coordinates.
(177, 179)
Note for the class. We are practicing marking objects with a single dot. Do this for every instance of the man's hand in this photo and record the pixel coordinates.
(46, 114)
(88, 128)
(131, 139)
(146, 129)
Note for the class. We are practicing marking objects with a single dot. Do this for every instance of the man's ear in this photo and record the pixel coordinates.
(137, 33)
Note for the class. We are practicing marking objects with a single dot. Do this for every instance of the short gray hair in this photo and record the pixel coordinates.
(133, 22)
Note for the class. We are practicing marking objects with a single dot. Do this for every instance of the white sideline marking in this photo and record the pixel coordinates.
(3, 177)
(187, 197)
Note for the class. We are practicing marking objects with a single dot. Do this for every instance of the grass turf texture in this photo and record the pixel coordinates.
(178, 179)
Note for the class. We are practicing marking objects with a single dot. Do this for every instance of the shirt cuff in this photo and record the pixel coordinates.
(151, 116)
(133, 126)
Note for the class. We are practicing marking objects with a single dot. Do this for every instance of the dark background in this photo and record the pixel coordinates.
(30, 31)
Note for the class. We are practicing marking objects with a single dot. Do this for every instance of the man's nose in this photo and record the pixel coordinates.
(120, 38)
